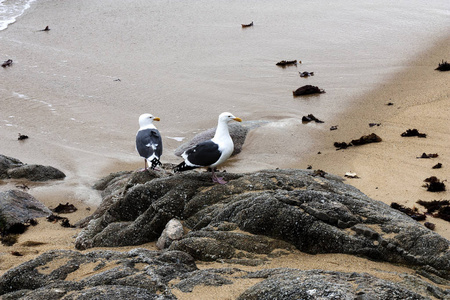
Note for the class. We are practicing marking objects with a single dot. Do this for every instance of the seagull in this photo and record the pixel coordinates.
(148, 141)
(213, 152)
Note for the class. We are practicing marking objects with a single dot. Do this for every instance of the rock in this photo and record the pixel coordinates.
(318, 284)
(315, 214)
(145, 274)
(17, 207)
(307, 90)
(35, 173)
(172, 232)
(443, 66)
(238, 132)
(137, 274)
(6, 163)
(14, 168)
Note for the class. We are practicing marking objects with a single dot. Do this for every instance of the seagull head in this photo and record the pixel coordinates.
(147, 119)
(227, 117)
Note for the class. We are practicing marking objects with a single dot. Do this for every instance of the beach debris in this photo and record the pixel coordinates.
(307, 90)
(55, 219)
(351, 175)
(285, 63)
(430, 155)
(374, 124)
(413, 132)
(412, 212)
(318, 172)
(45, 29)
(118, 79)
(390, 103)
(306, 74)
(7, 63)
(334, 127)
(247, 25)
(429, 225)
(365, 139)
(437, 166)
(444, 66)
(16, 253)
(434, 184)
(23, 187)
(64, 208)
(309, 167)
(437, 208)
(310, 118)
(22, 137)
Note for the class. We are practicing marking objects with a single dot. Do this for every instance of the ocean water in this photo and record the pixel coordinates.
(79, 89)
(10, 10)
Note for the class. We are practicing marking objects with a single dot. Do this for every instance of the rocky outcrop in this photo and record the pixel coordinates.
(137, 274)
(18, 207)
(14, 168)
(259, 212)
(318, 284)
(145, 274)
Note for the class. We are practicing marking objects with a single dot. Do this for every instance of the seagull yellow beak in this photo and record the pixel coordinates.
(156, 119)
(238, 119)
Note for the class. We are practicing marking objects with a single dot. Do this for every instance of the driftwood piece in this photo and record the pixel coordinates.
(365, 139)
(247, 25)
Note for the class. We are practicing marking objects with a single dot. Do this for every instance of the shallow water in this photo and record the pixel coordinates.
(79, 89)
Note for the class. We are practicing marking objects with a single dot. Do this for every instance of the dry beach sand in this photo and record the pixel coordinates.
(388, 171)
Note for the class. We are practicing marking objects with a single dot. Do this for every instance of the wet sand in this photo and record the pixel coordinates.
(389, 171)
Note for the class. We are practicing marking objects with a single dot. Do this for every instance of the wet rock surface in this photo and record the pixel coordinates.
(14, 168)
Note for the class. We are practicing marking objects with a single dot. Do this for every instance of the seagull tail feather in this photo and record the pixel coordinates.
(182, 167)
(155, 162)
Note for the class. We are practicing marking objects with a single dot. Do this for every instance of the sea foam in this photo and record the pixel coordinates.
(11, 10)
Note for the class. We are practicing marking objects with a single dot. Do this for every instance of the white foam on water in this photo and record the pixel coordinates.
(11, 10)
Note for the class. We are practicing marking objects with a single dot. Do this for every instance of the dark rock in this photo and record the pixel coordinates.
(317, 284)
(35, 173)
(443, 66)
(311, 213)
(17, 207)
(310, 118)
(307, 90)
(334, 127)
(7, 163)
(137, 274)
(413, 132)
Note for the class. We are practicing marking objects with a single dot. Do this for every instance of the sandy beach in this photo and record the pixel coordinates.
(388, 171)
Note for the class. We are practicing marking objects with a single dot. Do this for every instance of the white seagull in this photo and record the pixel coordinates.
(148, 141)
(211, 153)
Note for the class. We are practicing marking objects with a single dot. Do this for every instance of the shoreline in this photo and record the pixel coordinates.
(390, 171)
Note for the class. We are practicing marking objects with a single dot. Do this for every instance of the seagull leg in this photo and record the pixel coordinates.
(219, 180)
(146, 166)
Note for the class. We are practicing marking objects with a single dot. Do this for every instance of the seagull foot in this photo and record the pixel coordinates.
(219, 180)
